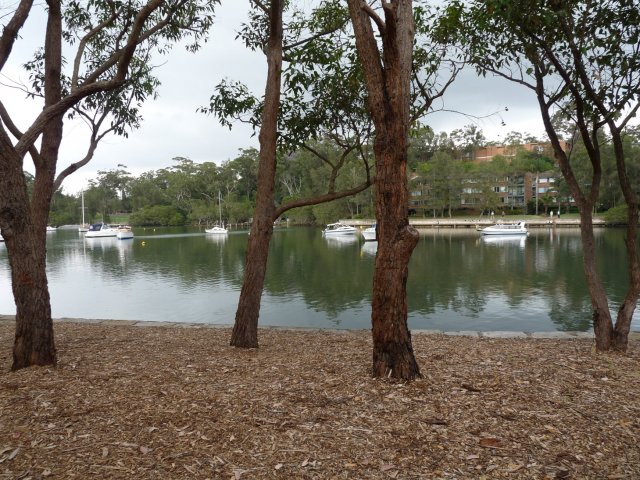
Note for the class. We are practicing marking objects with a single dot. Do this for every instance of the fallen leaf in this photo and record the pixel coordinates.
(490, 442)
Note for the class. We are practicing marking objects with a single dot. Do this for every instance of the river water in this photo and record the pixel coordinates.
(457, 280)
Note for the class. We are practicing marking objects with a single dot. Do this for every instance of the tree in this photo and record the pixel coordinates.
(581, 58)
(109, 72)
(289, 121)
(388, 81)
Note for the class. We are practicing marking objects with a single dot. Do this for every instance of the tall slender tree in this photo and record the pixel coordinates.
(581, 58)
(314, 104)
(387, 74)
(106, 39)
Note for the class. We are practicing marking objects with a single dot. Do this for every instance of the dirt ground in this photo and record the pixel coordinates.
(178, 403)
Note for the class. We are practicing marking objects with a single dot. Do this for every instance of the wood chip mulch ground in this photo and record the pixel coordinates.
(179, 403)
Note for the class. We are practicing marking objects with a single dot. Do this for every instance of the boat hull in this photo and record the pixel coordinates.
(124, 235)
(216, 231)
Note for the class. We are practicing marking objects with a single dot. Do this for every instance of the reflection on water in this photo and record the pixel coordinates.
(458, 280)
(370, 248)
(504, 240)
(341, 241)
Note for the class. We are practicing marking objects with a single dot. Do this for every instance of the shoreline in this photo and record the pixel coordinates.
(552, 334)
(454, 223)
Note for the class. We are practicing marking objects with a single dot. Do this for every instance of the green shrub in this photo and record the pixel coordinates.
(157, 216)
(616, 215)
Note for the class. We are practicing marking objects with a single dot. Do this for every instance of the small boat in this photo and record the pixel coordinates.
(51, 229)
(101, 230)
(370, 234)
(518, 228)
(337, 229)
(219, 228)
(124, 232)
(216, 229)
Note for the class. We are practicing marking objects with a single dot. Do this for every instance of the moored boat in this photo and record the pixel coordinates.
(218, 229)
(100, 230)
(337, 229)
(518, 228)
(124, 232)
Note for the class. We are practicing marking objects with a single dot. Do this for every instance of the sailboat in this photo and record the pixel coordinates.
(219, 228)
(84, 227)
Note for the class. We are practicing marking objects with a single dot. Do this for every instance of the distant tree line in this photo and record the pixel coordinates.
(439, 163)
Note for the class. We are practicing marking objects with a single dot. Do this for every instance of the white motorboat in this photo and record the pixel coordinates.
(370, 234)
(338, 229)
(51, 229)
(124, 232)
(101, 230)
(219, 228)
(518, 228)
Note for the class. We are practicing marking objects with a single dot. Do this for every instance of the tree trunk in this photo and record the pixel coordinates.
(392, 349)
(628, 306)
(388, 86)
(602, 323)
(245, 329)
(26, 221)
(34, 342)
(26, 245)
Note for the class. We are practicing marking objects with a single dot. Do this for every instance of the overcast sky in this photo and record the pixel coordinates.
(172, 127)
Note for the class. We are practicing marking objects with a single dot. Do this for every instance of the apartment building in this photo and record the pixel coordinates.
(509, 192)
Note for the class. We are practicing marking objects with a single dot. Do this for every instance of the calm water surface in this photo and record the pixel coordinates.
(457, 280)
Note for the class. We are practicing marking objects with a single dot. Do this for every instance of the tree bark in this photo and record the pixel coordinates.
(25, 240)
(24, 221)
(628, 306)
(387, 79)
(245, 329)
(602, 322)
